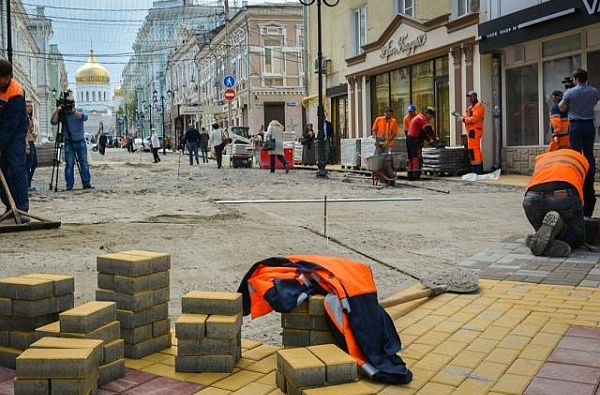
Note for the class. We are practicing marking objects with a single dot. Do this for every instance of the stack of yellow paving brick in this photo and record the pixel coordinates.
(314, 370)
(138, 282)
(59, 366)
(94, 320)
(209, 332)
(306, 325)
(27, 302)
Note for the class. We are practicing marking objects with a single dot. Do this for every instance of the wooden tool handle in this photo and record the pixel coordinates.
(425, 293)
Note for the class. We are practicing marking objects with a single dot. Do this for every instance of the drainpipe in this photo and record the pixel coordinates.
(497, 109)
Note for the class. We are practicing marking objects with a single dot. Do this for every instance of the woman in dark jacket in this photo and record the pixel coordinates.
(308, 142)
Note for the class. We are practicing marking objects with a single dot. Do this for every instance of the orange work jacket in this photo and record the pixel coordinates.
(473, 118)
(407, 118)
(385, 130)
(564, 165)
(560, 131)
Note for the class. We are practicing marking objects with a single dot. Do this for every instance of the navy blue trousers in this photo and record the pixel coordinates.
(581, 137)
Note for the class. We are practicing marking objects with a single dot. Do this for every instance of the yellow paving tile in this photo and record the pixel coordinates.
(248, 344)
(155, 358)
(436, 389)
(512, 384)
(500, 307)
(212, 391)
(546, 339)
(526, 330)
(169, 351)
(417, 329)
(472, 387)
(374, 385)
(537, 352)
(268, 379)
(503, 355)
(407, 339)
(507, 322)
(450, 348)
(527, 367)
(260, 352)
(557, 328)
(237, 380)
(462, 317)
(169, 371)
(433, 338)
(489, 371)
(452, 375)
(243, 363)
(432, 320)
(468, 359)
(464, 335)
(137, 363)
(482, 345)
(515, 342)
(478, 324)
(448, 326)
(254, 389)
(265, 365)
(397, 390)
(416, 351)
(495, 333)
(448, 310)
(420, 378)
(433, 362)
(169, 360)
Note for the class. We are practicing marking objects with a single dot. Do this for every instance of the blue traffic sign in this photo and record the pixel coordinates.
(229, 81)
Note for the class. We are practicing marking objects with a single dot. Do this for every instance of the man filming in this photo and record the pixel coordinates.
(580, 101)
(72, 121)
(13, 130)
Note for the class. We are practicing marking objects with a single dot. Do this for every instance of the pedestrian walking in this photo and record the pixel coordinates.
(192, 139)
(204, 137)
(217, 144)
(580, 101)
(155, 145)
(30, 150)
(13, 133)
(308, 145)
(102, 140)
(275, 132)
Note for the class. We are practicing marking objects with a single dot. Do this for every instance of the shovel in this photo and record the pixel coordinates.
(454, 281)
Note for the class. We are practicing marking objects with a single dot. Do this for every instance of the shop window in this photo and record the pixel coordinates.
(407, 7)
(555, 71)
(359, 26)
(380, 94)
(522, 119)
(422, 85)
(400, 91)
(561, 45)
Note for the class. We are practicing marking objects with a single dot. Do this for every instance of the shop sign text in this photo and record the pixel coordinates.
(403, 46)
(591, 8)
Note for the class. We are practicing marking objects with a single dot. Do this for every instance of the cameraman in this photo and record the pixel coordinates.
(74, 142)
(13, 131)
(580, 101)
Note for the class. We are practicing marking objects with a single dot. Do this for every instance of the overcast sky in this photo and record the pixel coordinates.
(109, 25)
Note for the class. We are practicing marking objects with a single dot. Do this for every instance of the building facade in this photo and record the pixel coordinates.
(397, 53)
(536, 44)
(57, 79)
(265, 55)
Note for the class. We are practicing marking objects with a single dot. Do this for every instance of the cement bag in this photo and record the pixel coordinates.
(478, 177)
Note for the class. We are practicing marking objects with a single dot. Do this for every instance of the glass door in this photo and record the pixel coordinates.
(442, 114)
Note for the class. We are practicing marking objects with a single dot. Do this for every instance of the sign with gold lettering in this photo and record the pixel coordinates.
(402, 46)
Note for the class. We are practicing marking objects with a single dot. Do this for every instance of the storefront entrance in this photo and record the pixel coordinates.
(339, 121)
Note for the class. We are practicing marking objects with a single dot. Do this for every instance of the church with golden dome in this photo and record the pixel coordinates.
(93, 92)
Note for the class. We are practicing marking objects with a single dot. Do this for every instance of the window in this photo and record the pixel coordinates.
(93, 95)
(87, 96)
(522, 106)
(359, 28)
(462, 7)
(273, 53)
(407, 7)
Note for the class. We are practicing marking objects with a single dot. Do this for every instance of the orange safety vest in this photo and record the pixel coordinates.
(473, 120)
(351, 297)
(385, 130)
(564, 165)
(560, 131)
(407, 118)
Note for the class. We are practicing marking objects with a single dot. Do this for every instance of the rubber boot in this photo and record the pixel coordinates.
(552, 225)
(557, 248)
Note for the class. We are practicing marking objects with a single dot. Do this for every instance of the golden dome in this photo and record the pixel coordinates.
(92, 72)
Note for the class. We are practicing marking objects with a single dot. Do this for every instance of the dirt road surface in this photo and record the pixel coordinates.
(141, 205)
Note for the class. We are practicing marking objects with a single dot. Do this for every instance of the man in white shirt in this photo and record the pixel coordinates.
(215, 142)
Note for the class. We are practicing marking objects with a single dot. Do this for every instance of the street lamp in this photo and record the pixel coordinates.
(172, 135)
(162, 109)
(321, 160)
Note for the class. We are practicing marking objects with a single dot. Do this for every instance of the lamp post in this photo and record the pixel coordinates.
(173, 136)
(321, 160)
(162, 110)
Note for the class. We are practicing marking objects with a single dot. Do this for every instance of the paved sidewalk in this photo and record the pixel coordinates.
(512, 260)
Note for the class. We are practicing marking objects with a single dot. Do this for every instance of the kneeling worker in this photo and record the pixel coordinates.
(553, 201)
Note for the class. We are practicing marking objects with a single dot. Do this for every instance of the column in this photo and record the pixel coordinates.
(455, 54)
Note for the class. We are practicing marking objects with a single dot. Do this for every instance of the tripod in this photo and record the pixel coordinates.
(58, 149)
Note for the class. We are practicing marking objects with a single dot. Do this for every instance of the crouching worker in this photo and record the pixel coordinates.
(553, 201)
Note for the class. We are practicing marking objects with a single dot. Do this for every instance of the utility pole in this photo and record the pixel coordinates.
(227, 60)
(162, 110)
(9, 47)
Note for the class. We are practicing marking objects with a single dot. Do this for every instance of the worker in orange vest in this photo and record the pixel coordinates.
(559, 121)
(473, 120)
(411, 112)
(553, 201)
(385, 130)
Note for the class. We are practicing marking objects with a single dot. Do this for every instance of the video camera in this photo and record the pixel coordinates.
(66, 100)
(568, 82)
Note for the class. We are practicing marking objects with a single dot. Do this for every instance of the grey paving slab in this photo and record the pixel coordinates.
(512, 260)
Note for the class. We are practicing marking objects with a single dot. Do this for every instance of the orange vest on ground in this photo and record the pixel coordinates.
(407, 118)
(564, 165)
(385, 130)
(284, 283)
